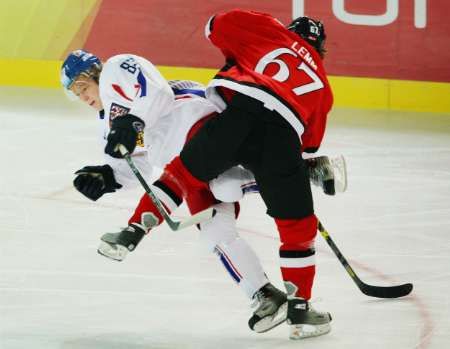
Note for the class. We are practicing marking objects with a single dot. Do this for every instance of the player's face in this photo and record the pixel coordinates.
(86, 89)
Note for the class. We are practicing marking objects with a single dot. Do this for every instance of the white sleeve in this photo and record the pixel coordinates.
(187, 88)
(132, 85)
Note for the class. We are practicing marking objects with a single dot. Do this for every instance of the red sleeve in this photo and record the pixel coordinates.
(313, 135)
(230, 31)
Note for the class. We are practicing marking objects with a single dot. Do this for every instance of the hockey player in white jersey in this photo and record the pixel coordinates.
(130, 92)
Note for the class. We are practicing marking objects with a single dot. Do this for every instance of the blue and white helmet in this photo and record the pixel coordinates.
(77, 63)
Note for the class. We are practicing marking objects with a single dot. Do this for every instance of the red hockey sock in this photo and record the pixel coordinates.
(169, 194)
(145, 205)
(196, 192)
(175, 183)
(297, 253)
(177, 173)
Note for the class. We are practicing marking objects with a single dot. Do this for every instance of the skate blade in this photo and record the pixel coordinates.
(340, 173)
(271, 321)
(306, 331)
(114, 252)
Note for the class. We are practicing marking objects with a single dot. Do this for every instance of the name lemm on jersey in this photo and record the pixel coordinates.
(304, 53)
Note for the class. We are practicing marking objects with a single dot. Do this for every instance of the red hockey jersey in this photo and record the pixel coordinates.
(274, 65)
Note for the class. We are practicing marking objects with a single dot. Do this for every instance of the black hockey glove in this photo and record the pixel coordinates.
(94, 181)
(124, 130)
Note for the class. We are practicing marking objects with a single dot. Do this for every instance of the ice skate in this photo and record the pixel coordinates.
(271, 309)
(117, 245)
(329, 174)
(304, 321)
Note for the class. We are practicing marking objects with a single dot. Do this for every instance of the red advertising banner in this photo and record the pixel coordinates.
(398, 39)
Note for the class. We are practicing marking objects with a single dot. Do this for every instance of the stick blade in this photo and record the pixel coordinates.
(197, 218)
(386, 291)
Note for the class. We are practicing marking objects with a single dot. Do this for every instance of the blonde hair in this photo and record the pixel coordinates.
(93, 73)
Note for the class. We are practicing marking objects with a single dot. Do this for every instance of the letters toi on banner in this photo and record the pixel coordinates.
(390, 16)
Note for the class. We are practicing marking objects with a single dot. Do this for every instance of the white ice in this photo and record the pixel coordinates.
(393, 224)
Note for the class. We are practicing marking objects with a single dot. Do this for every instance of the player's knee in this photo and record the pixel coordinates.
(226, 189)
(221, 229)
(230, 185)
(178, 176)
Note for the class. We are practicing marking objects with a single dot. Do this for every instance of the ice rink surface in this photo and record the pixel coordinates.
(393, 224)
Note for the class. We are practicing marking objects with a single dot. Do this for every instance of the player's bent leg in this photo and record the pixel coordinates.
(220, 236)
(330, 174)
(180, 178)
(116, 246)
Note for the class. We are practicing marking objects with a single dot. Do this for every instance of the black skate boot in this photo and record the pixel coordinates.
(330, 174)
(271, 309)
(306, 322)
(117, 245)
(321, 174)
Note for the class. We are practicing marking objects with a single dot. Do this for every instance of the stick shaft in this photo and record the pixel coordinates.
(174, 225)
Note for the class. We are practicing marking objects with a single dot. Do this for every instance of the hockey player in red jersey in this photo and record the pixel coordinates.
(274, 98)
(274, 89)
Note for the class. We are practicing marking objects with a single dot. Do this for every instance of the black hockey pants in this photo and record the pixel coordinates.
(261, 140)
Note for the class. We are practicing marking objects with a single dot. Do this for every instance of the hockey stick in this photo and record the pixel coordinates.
(174, 225)
(369, 290)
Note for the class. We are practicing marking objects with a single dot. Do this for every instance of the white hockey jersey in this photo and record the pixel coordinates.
(130, 84)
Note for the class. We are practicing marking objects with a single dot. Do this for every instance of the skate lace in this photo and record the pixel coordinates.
(324, 170)
(320, 170)
(258, 299)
